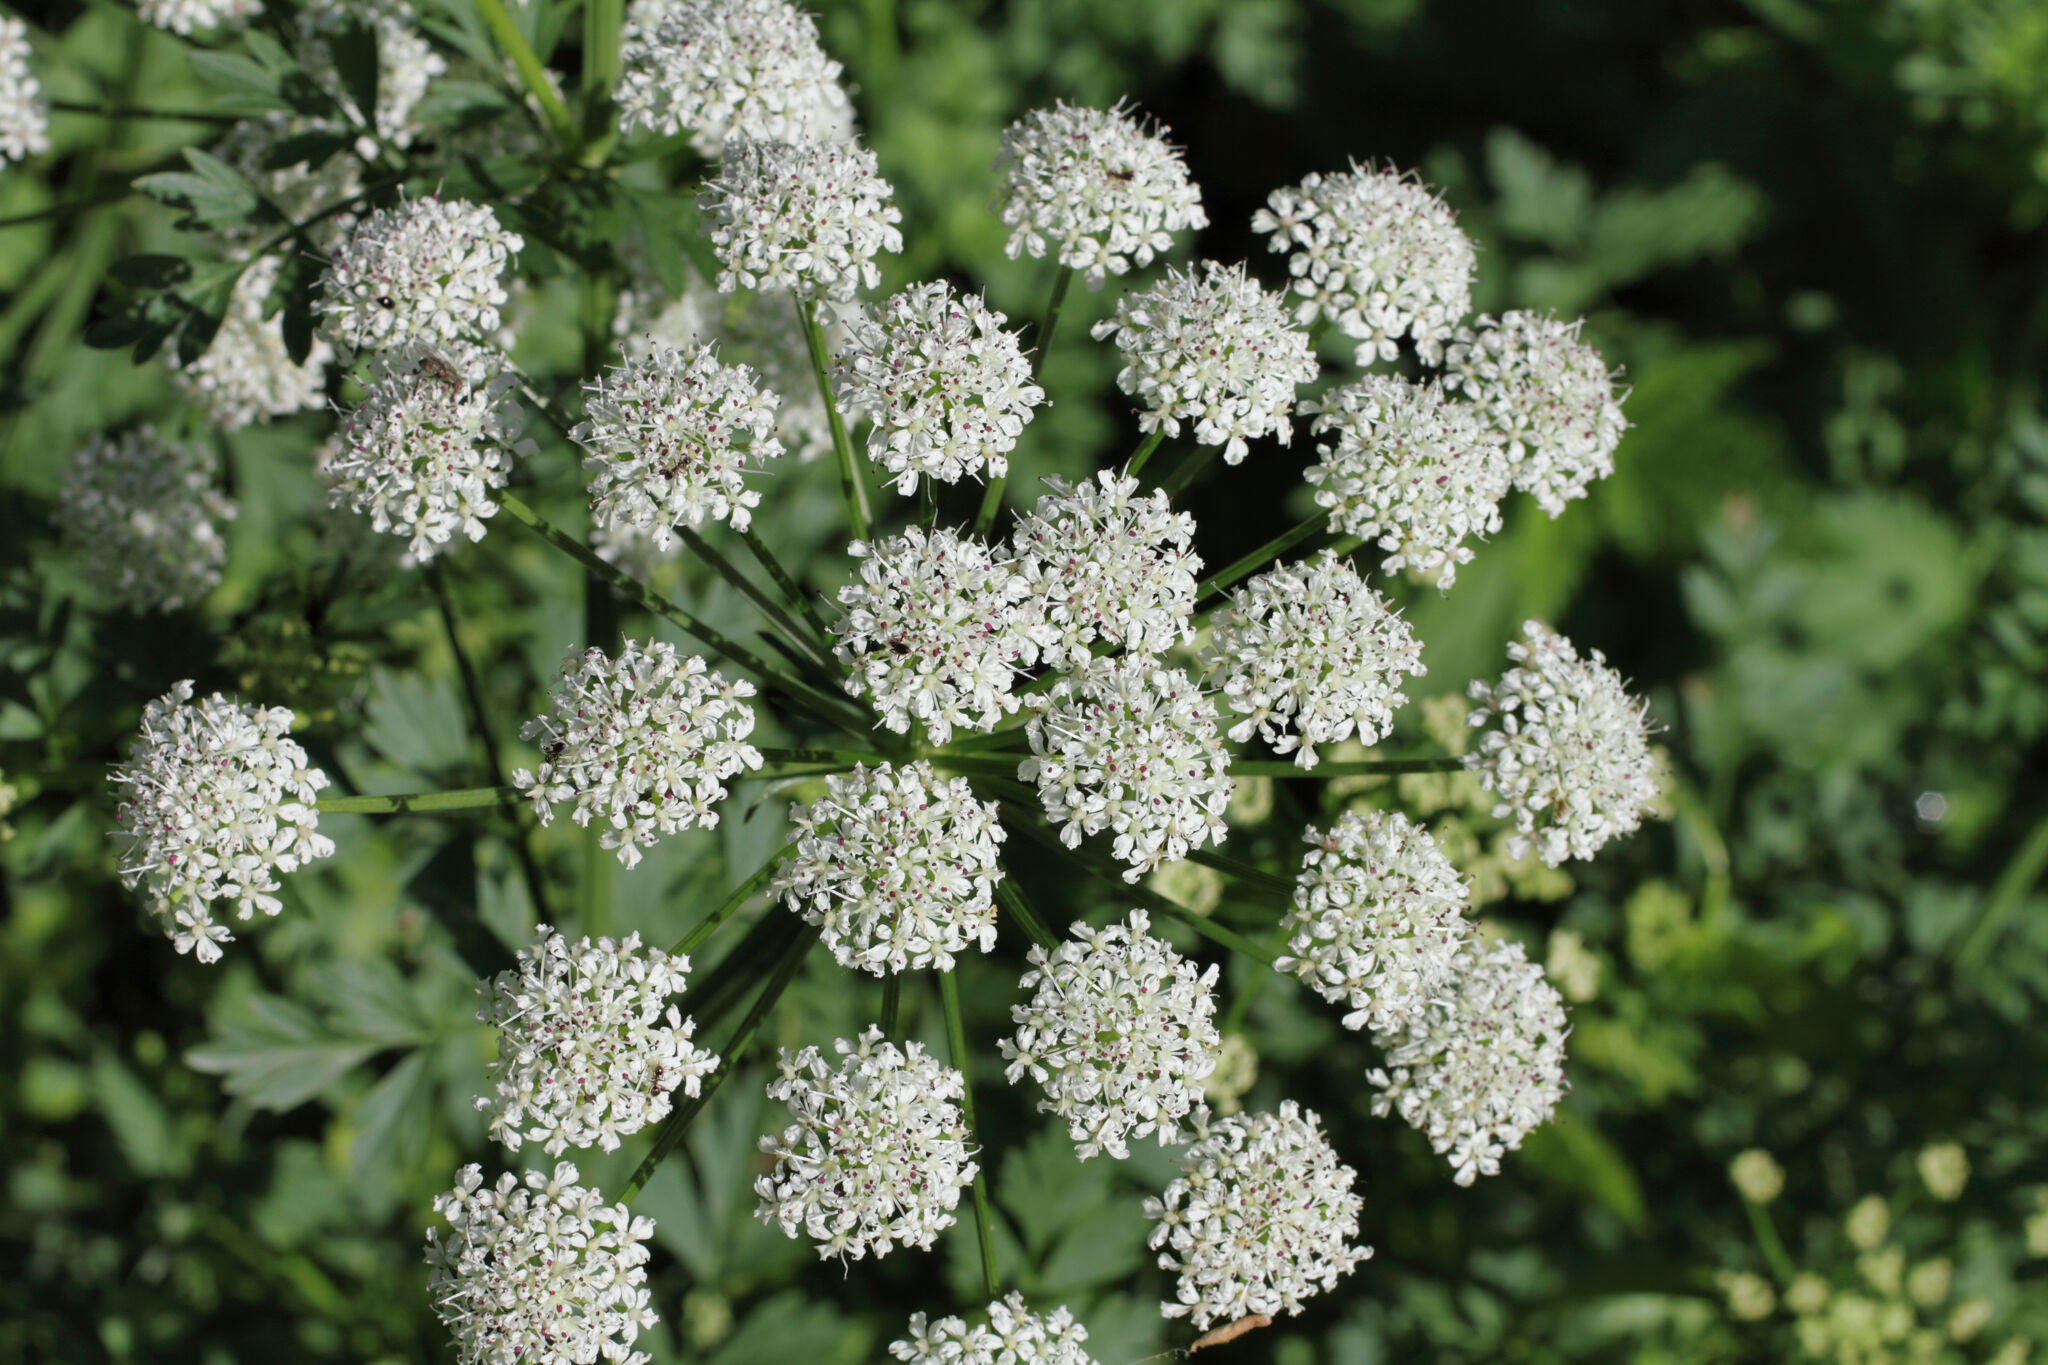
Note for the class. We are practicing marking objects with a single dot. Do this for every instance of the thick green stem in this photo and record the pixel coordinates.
(1768, 1242)
(892, 1005)
(751, 591)
(789, 586)
(1043, 341)
(821, 704)
(741, 894)
(849, 473)
(1012, 897)
(595, 894)
(1371, 767)
(677, 1125)
(1144, 452)
(984, 1218)
(514, 45)
(603, 20)
(991, 503)
(1259, 558)
(423, 803)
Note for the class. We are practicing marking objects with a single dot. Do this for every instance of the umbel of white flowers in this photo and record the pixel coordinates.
(144, 518)
(644, 742)
(24, 113)
(1013, 1335)
(729, 68)
(1261, 1217)
(589, 1049)
(429, 273)
(216, 801)
(539, 1270)
(899, 865)
(1121, 1033)
(878, 1153)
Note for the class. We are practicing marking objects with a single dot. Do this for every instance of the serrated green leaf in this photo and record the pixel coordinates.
(241, 84)
(274, 1053)
(372, 1001)
(393, 1120)
(270, 53)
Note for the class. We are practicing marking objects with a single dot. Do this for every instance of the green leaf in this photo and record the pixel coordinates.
(665, 252)
(292, 293)
(140, 1125)
(392, 1121)
(275, 1054)
(1107, 1243)
(241, 85)
(354, 45)
(371, 1000)
(311, 150)
(1572, 1153)
(151, 270)
(1046, 1189)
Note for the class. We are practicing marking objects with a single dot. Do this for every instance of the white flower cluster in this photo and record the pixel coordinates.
(585, 1052)
(406, 61)
(1308, 655)
(1106, 192)
(643, 742)
(948, 390)
(808, 217)
(1261, 1217)
(899, 865)
(1477, 1071)
(421, 455)
(1378, 923)
(24, 114)
(1013, 1335)
(878, 1154)
(1549, 396)
(539, 1272)
(217, 800)
(1121, 1033)
(1570, 758)
(247, 375)
(725, 68)
(183, 16)
(1376, 252)
(429, 272)
(1111, 565)
(760, 330)
(141, 513)
(1129, 746)
(1210, 347)
(935, 630)
(670, 436)
(1410, 469)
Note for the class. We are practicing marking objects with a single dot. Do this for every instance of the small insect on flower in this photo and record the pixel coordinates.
(441, 368)
(1231, 1331)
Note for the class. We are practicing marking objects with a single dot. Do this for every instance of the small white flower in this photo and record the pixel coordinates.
(1477, 1071)
(644, 743)
(1378, 921)
(1310, 655)
(878, 1154)
(585, 1053)
(24, 113)
(539, 1271)
(1211, 348)
(1128, 746)
(217, 801)
(1260, 1219)
(720, 68)
(1110, 564)
(421, 456)
(406, 62)
(899, 865)
(670, 435)
(429, 272)
(807, 217)
(1013, 1335)
(1550, 397)
(1570, 756)
(141, 513)
(1410, 469)
(948, 390)
(183, 16)
(935, 629)
(1121, 1033)
(1096, 187)
(755, 329)
(1376, 252)
(247, 375)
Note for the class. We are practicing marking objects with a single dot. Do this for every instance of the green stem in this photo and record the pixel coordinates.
(603, 20)
(767, 560)
(599, 865)
(750, 590)
(1144, 452)
(1012, 897)
(1176, 483)
(849, 473)
(422, 803)
(823, 705)
(839, 759)
(677, 1125)
(1241, 1001)
(1373, 767)
(1244, 872)
(514, 45)
(118, 111)
(1042, 343)
(991, 503)
(984, 1219)
(1258, 559)
(892, 1004)
(1768, 1242)
(741, 894)
(2006, 897)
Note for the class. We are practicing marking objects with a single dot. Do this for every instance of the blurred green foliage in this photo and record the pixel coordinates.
(1811, 232)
